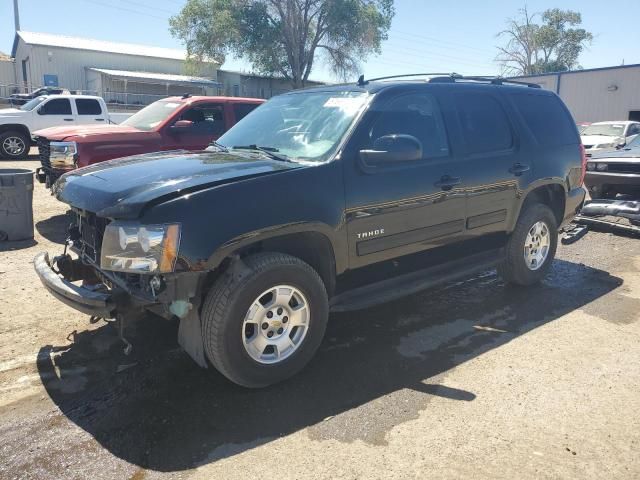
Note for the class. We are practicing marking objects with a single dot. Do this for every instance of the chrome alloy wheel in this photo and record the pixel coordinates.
(276, 324)
(536, 245)
(13, 145)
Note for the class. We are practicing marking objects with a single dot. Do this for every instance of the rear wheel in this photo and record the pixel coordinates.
(14, 145)
(264, 324)
(531, 247)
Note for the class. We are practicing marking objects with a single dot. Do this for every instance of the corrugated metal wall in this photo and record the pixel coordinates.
(596, 95)
(7, 72)
(70, 65)
(602, 95)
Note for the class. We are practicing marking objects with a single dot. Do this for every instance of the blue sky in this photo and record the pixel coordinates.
(440, 36)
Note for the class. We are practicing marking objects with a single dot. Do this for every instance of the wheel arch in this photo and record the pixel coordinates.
(553, 194)
(16, 127)
(312, 246)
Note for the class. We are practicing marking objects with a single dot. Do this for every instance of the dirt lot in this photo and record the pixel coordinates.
(472, 380)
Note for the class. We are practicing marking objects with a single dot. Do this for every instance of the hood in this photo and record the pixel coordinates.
(11, 112)
(598, 139)
(93, 131)
(122, 188)
(622, 154)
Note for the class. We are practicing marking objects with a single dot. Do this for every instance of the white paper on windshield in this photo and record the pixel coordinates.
(345, 104)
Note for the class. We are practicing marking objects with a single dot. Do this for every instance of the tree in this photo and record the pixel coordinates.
(284, 37)
(550, 46)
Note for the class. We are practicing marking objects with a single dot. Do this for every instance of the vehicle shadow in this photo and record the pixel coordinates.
(162, 412)
(55, 228)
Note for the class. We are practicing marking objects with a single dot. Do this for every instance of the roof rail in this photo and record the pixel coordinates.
(493, 80)
(450, 78)
(362, 82)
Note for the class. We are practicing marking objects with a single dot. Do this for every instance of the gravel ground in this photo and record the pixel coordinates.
(473, 379)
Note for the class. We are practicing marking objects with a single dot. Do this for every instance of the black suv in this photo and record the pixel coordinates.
(327, 199)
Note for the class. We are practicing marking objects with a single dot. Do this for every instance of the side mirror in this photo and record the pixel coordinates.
(392, 149)
(181, 124)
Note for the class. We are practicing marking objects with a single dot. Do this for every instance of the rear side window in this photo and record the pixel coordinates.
(57, 106)
(88, 106)
(241, 110)
(484, 123)
(546, 118)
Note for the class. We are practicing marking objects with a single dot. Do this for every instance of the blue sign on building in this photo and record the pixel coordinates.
(50, 80)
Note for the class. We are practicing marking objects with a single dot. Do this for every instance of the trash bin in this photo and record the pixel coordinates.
(16, 204)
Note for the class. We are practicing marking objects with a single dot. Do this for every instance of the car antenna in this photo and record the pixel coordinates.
(361, 81)
(186, 95)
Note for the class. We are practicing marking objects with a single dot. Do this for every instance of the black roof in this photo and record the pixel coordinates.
(410, 80)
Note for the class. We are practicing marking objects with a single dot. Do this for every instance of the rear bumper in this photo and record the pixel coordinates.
(573, 204)
(79, 298)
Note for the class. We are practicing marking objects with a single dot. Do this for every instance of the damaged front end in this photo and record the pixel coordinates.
(118, 270)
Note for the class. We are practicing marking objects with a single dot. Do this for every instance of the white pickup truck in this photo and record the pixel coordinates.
(18, 124)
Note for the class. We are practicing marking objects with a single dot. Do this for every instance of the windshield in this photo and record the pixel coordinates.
(610, 129)
(303, 126)
(635, 143)
(152, 115)
(31, 104)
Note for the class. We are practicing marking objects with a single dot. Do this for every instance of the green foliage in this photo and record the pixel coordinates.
(284, 37)
(552, 45)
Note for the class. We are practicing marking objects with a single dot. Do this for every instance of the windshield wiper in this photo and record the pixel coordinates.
(219, 146)
(269, 151)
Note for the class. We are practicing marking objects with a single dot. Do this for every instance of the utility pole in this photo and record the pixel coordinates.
(16, 15)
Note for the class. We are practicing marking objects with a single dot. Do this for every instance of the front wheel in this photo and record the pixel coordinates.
(14, 145)
(263, 325)
(531, 247)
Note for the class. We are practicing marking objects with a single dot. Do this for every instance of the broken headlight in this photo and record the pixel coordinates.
(137, 248)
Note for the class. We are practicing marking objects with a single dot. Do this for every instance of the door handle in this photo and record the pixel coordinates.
(99, 119)
(68, 119)
(447, 182)
(519, 168)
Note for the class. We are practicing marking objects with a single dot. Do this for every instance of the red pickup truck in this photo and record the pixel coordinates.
(173, 123)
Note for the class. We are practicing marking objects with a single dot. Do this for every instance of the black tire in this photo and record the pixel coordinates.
(226, 306)
(5, 153)
(514, 268)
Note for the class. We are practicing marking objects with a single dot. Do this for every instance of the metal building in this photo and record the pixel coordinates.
(121, 72)
(596, 94)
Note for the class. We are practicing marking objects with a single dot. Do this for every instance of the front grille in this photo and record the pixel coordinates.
(44, 153)
(92, 230)
(624, 167)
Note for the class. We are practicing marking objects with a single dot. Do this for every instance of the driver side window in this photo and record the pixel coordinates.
(206, 117)
(417, 115)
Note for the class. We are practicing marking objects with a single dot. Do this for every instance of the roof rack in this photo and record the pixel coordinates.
(362, 82)
(451, 78)
(492, 80)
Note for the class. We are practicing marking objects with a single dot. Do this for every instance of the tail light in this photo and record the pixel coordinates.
(583, 153)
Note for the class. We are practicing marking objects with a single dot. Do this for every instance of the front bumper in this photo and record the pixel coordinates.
(97, 304)
(595, 179)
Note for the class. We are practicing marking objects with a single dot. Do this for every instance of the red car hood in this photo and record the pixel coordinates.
(62, 133)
